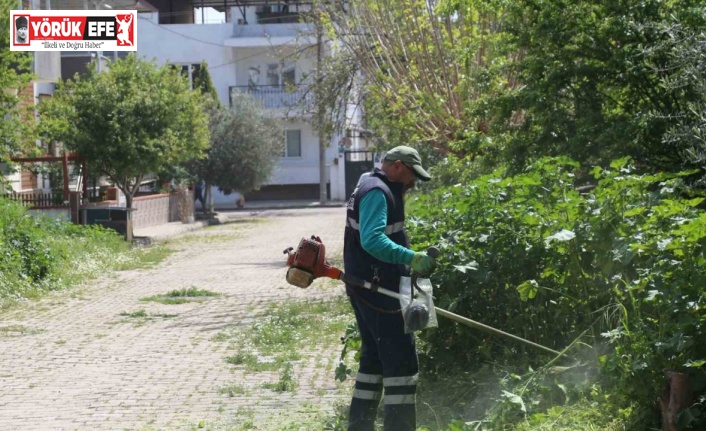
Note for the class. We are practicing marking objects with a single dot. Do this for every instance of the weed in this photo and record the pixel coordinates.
(142, 314)
(135, 314)
(182, 296)
(18, 331)
(286, 382)
(233, 390)
(146, 257)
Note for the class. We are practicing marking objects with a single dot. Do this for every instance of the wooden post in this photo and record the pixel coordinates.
(75, 203)
(65, 166)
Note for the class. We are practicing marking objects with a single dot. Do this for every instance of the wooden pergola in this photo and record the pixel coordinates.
(64, 159)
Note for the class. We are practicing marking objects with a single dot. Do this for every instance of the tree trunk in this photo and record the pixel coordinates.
(676, 396)
(323, 198)
(128, 199)
(208, 197)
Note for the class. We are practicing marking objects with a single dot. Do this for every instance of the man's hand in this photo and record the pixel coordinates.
(423, 264)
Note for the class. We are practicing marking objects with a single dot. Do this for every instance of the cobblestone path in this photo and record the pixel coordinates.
(73, 362)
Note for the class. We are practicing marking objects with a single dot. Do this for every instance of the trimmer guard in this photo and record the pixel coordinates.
(418, 309)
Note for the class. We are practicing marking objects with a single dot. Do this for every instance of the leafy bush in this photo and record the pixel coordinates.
(620, 268)
(38, 253)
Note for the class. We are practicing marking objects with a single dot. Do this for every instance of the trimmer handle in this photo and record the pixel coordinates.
(431, 252)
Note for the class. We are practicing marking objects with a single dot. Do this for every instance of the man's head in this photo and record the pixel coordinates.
(403, 165)
(21, 27)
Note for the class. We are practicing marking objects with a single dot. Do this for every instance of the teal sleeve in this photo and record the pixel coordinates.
(373, 220)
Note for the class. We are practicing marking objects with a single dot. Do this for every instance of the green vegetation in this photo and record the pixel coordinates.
(286, 383)
(277, 338)
(567, 144)
(146, 111)
(182, 296)
(617, 274)
(143, 316)
(41, 254)
(15, 73)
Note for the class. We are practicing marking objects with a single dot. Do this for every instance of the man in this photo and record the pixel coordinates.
(21, 30)
(198, 194)
(376, 249)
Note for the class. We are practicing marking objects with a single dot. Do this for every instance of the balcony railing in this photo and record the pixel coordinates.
(277, 17)
(276, 96)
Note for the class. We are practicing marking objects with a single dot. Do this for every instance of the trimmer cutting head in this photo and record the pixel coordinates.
(299, 277)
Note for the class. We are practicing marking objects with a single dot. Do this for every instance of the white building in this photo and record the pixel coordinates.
(262, 48)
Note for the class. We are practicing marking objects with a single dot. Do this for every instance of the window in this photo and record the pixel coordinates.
(190, 71)
(288, 77)
(293, 145)
(280, 75)
(273, 74)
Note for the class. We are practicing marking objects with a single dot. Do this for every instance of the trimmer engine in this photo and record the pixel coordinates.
(308, 263)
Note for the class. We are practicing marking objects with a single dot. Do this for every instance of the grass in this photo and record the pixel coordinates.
(144, 315)
(18, 331)
(287, 329)
(146, 257)
(286, 382)
(181, 296)
(233, 390)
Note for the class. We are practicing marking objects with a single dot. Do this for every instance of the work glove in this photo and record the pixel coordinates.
(423, 264)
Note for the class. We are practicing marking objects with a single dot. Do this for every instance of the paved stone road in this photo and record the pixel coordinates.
(72, 362)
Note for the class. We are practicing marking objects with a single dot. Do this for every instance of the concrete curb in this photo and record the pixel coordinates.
(284, 206)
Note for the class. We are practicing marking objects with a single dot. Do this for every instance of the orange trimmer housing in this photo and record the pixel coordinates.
(308, 263)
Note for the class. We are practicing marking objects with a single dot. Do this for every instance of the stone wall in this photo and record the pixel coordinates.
(154, 210)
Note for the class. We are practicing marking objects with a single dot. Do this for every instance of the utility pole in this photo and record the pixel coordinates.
(320, 114)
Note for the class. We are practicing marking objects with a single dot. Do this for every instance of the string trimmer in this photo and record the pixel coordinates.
(308, 263)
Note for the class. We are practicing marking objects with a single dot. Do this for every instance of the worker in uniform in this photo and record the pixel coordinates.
(376, 248)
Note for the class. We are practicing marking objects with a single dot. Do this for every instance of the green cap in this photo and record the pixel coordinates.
(409, 156)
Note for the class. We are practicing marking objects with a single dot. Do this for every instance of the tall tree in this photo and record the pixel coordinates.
(593, 76)
(246, 145)
(15, 68)
(134, 119)
(421, 63)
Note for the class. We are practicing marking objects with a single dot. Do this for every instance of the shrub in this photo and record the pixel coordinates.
(621, 268)
(38, 253)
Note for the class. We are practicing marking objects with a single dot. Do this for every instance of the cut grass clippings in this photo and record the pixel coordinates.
(276, 338)
(144, 315)
(145, 258)
(182, 296)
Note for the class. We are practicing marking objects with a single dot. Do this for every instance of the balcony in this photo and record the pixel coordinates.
(276, 96)
(269, 35)
(278, 17)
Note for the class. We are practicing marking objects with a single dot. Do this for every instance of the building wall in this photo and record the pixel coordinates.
(189, 44)
(229, 66)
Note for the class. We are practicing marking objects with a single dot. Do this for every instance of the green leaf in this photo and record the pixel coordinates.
(689, 416)
(515, 400)
(528, 290)
(635, 211)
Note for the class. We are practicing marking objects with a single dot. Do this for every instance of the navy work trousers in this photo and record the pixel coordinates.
(388, 361)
